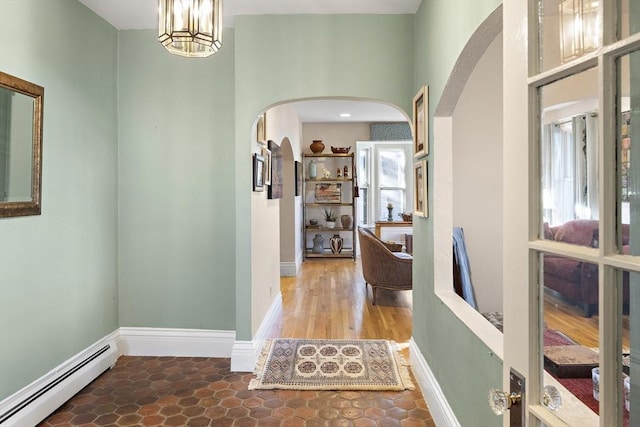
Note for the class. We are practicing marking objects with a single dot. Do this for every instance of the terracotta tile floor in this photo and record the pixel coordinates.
(174, 391)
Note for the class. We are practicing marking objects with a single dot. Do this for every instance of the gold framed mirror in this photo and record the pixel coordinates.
(21, 112)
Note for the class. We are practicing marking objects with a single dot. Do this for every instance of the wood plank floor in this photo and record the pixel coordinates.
(564, 317)
(328, 299)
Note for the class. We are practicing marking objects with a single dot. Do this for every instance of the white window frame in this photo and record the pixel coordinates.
(370, 179)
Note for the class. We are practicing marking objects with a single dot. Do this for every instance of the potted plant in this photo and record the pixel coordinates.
(330, 217)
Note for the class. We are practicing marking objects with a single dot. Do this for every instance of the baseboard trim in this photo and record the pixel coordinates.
(38, 400)
(288, 269)
(175, 342)
(245, 353)
(439, 408)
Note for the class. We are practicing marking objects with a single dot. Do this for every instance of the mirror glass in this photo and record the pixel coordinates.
(20, 146)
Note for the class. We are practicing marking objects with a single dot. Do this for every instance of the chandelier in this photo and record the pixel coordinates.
(579, 28)
(191, 28)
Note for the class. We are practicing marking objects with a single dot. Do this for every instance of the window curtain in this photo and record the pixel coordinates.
(585, 137)
(558, 173)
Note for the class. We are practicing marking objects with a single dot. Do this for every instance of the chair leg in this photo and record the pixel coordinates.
(375, 292)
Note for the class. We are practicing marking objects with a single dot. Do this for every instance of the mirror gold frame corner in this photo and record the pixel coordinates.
(31, 205)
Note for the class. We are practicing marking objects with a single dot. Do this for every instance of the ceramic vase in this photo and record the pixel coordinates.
(336, 243)
(318, 243)
(313, 169)
(346, 221)
(317, 146)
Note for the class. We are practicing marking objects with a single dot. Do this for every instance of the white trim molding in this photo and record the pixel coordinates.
(439, 408)
(43, 396)
(246, 353)
(175, 342)
(288, 269)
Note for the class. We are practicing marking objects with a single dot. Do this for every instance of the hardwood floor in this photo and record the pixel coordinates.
(562, 316)
(328, 299)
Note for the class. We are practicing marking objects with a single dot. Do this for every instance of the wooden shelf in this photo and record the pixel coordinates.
(345, 205)
(346, 253)
(328, 180)
(329, 155)
(312, 228)
(327, 204)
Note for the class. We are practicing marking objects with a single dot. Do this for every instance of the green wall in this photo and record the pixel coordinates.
(175, 193)
(58, 292)
(290, 57)
(465, 368)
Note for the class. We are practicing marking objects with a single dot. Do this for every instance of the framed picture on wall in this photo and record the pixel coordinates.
(276, 187)
(421, 122)
(266, 153)
(258, 172)
(420, 196)
(261, 128)
(298, 172)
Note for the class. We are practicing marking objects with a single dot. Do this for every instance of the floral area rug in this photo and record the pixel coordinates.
(303, 364)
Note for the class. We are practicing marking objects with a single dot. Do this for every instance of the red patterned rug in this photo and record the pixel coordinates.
(303, 364)
(582, 388)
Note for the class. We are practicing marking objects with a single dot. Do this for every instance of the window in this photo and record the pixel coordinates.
(384, 180)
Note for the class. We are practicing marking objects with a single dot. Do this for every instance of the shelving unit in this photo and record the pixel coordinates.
(336, 193)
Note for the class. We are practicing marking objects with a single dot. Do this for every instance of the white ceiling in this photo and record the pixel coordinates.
(143, 14)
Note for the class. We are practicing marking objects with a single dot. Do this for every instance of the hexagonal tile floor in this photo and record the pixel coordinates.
(175, 391)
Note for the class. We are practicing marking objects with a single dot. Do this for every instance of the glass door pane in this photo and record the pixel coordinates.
(628, 158)
(631, 349)
(568, 29)
(569, 159)
(629, 17)
(570, 333)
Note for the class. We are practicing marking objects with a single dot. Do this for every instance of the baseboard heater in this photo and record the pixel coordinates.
(41, 398)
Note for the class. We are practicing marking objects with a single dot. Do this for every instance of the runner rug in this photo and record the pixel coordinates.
(303, 364)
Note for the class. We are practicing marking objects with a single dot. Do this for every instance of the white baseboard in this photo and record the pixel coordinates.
(175, 342)
(439, 408)
(245, 353)
(43, 396)
(288, 269)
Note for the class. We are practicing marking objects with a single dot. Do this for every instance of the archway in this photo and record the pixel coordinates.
(468, 119)
(276, 242)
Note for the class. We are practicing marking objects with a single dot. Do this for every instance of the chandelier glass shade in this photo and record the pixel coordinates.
(191, 28)
(580, 26)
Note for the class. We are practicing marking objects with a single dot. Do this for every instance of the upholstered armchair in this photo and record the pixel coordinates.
(382, 268)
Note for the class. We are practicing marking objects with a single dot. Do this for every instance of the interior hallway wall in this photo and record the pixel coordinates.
(58, 276)
(176, 201)
(477, 176)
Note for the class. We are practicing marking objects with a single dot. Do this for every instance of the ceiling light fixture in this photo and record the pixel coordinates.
(345, 115)
(579, 28)
(191, 28)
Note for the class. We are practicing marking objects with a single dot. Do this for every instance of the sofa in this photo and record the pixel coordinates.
(575, 280)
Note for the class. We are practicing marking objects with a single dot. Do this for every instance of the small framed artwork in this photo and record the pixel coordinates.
(298, 172)
(420, 196)
(276, 189)
(258, 172)
(421, 122)
(261, 128)
(266, 153)
(328, 193)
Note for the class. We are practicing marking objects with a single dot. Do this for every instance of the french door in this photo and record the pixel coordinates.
(583, 274)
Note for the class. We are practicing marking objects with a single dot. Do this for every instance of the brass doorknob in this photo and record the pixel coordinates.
(501, 401)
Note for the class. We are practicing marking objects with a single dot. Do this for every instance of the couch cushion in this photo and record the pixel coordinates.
(564, 268)
(577, 232)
